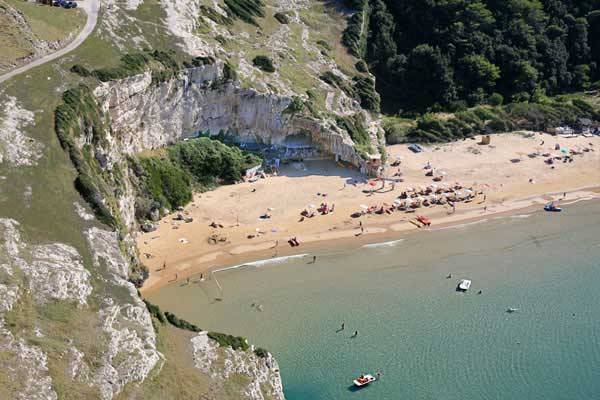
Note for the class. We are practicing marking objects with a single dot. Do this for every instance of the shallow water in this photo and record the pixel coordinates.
(429, 341)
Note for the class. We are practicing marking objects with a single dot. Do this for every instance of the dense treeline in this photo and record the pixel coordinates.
(445, 54)
(489, 119)
(168, 181)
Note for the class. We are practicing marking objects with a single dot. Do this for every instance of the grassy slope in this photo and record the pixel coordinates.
(296, 60)
(178, 378)
(50, 23)
(45, 23)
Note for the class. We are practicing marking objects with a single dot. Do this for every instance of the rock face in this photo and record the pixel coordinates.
(54, 273)
(16, 148)
(264, 380)
(148, 116)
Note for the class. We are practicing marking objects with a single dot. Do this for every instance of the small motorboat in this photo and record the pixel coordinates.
(511, 310)
(551, 207)
(463, 285)
(364, 380)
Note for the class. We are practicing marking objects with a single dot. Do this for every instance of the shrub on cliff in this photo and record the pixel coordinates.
(264, 63)
(155, 311)
(162, 64)
(245, 10)
(167, 183)
(235, 342)
(209, 161)
(181, 323)
(364, 87)
(79, 112)
(282, 18)
(260, 352)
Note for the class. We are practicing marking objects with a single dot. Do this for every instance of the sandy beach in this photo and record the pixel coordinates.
(511, 180)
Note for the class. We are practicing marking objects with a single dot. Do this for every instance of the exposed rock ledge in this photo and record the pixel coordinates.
(220, 363)
(145, 115)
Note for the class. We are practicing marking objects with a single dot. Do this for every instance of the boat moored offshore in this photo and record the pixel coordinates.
(364, 380)
(463, 285)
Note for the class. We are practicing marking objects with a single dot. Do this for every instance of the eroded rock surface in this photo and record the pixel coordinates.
(16, 148)
(221, 363)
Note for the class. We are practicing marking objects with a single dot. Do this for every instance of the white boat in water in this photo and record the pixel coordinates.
(364, 380)
(463, 285)
(512, 310)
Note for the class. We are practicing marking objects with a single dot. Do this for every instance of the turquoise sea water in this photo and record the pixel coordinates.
(429, 341)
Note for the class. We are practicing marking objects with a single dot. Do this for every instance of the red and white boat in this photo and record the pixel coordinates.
(424, 220)
(364, 380)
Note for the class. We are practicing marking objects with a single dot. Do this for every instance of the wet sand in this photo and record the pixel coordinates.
(508, 187)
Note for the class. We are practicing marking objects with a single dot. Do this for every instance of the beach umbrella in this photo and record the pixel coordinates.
(364, 206)
(312, 206)
(372, 183)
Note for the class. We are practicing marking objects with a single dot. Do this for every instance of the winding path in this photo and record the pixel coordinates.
(92, 8)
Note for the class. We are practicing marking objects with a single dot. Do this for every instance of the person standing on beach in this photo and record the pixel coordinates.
(314, 259)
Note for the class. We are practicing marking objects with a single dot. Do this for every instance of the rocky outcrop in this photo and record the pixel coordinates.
(131, 347)
(51, 273)
(264, 380)
(17, 149)
(148, 116)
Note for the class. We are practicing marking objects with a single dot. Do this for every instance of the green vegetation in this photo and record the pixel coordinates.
(283, 18)
(215, 16)
(40, 23)
(210, 162)
(296, 106)
(431, 55)
(79, 112)
(181, 323)
(229, 73)
(337, 81)
(162, 64)
(396, 129)
(235, 342)
(80, 70)
(355, 126)
(246, 10)
(155, 312)
(364, 87)
(355, 34)
(260, 352)
(167, 181)
(361, 66)
(324, 45)
(485, 119)
(264, 63)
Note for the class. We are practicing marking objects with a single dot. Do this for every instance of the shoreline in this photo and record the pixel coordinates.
(382, 233)
(236, 224)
